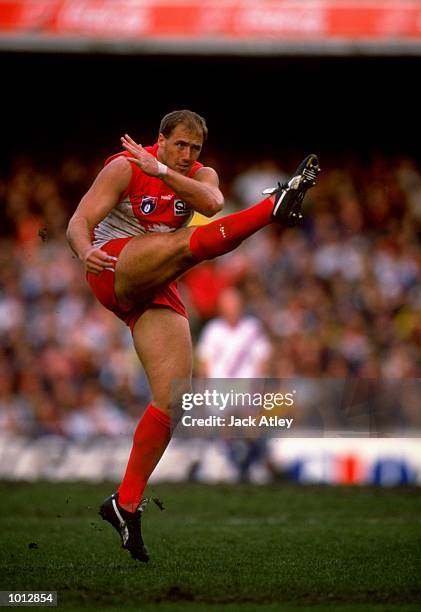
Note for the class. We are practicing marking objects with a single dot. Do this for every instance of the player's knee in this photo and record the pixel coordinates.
(183, 241)
(170, 400)
(162, 403)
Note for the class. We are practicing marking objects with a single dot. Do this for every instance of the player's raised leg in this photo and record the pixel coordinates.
(148, 262)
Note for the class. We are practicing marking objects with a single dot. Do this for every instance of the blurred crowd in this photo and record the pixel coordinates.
(337, 298)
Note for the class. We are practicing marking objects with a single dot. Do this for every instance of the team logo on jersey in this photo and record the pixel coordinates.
(148, 204)
(181, 208)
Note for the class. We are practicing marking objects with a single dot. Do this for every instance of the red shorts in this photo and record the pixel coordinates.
(103, 287)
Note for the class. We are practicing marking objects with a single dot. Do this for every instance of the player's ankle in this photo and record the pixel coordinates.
(129, 506)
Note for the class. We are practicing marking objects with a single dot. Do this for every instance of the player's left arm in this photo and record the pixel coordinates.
(201, 192)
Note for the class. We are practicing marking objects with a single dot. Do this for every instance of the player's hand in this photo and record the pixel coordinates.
(146, 162)
(96, 260)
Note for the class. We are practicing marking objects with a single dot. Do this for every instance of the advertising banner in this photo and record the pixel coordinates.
(264, 19)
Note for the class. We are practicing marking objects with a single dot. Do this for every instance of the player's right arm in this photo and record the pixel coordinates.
(95, 205)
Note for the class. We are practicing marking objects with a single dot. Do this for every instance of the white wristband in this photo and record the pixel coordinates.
(162, 169)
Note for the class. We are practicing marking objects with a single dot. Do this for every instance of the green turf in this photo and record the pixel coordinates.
(232, 548)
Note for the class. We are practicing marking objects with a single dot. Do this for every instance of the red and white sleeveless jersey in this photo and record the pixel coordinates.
(147, 205)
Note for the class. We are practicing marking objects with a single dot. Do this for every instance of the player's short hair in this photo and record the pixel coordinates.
(191, 120)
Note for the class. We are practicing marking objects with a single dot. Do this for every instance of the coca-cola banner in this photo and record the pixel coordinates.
(230, 19)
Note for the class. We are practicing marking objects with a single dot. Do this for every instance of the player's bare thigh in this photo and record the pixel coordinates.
(163, 343)
(150, 261)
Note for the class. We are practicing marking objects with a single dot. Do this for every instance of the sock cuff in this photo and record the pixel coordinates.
(194, 247)
(158, 415)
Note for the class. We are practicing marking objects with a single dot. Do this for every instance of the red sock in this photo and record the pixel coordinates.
(149, 442)
(225, 234)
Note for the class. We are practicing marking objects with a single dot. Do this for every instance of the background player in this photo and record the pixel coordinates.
(129, 229)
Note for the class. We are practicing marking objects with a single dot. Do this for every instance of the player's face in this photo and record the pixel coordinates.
(181, 149)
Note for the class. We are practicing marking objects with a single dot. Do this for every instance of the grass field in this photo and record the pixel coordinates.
(232, 548)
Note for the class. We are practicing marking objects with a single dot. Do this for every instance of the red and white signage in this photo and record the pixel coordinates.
(227, 19)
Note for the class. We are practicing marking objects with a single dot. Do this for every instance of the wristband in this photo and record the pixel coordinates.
(162, 169)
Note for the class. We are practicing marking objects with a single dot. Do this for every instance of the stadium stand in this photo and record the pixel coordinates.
(338, 298)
